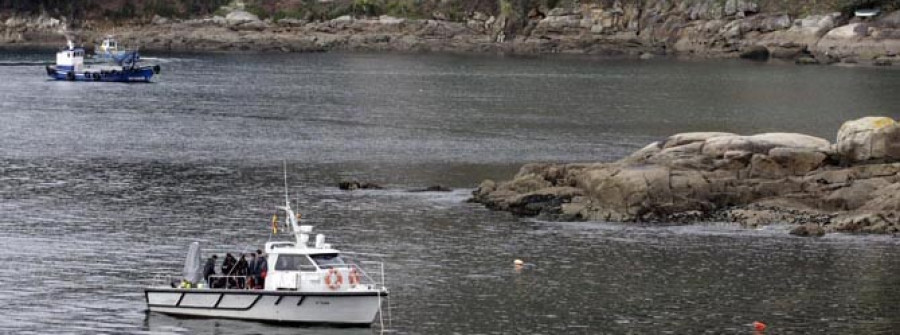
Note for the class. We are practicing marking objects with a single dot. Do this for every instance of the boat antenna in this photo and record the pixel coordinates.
(291, 217)
(287, 201)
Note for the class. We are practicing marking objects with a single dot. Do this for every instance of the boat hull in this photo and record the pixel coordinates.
(141, 74)
(340, 308)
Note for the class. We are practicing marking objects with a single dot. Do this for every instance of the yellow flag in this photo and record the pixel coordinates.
(274, 223)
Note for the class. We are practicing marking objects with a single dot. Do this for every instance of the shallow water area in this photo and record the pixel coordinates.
(103, 186)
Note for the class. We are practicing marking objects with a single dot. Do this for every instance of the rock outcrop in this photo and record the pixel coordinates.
(852, 185)
(704, 28)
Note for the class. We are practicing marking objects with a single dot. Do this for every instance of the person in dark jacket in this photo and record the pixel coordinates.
(261, 268)
(241, 269)
(251, 272)
(228, 265)
(209, 269)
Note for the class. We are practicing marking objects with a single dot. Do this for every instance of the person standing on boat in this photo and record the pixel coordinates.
(227, 268)
(240, 270)
(209, 269)
(261, 267)
(251, 272)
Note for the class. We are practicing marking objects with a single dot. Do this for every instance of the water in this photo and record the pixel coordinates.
(103, 186)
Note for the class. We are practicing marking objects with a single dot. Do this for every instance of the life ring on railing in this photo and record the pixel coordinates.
(335, 283)
(353, 277)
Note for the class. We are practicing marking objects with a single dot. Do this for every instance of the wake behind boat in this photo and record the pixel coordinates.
(126, 67)
(301, 283)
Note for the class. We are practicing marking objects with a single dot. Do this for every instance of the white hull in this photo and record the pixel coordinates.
(348, 308)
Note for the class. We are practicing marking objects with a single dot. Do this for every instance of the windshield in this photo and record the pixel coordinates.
(327, 261)
(293, 263)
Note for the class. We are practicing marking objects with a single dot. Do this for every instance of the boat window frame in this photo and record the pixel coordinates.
(344, 263)
(310, 265)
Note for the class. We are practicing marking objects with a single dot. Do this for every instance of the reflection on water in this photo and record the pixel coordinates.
(102, 187)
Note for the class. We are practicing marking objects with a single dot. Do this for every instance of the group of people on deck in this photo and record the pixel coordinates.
(248, 272)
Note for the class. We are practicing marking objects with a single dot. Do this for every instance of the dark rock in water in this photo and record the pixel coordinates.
(355, 185)
(806, 60)
(756, 52)
(432, 188)
(883, 222)
(786, 52)
(882, 61)
(809, 229)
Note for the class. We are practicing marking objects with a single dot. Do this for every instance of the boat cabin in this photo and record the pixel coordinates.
(311, 268)
(71, 59)
(109, 45)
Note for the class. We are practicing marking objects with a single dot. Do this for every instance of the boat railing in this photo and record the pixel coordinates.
(370, 266)
(231, 282)
(378, 285)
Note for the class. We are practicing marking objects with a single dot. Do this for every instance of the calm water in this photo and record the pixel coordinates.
(102, 187)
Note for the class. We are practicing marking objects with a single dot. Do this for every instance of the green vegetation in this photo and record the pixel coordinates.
(112, 9)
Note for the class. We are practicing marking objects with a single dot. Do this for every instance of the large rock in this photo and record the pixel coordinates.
(755, 180)
(890, 20)
(869, 138)
(740, 7)
(817, 25)
(873, 223)
(240, 17)
(798, 161)
(809, 229)
(762, 143)
(685, 138)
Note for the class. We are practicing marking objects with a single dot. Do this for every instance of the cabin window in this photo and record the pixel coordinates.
(294, 263)
(327, 261)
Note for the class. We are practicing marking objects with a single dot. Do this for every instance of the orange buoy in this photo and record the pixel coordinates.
(759, 326)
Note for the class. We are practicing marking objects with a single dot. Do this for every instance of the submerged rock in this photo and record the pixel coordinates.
(754, 180)
(809, 229)
(355, 185)
(432, 188)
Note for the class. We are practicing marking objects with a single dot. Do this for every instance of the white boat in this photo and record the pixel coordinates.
(304, 283)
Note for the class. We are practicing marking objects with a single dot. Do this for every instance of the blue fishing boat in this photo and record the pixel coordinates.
(126, 67)
(109, 50)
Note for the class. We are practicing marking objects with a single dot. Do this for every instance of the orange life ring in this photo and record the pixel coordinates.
(338, 280)
(353, 277)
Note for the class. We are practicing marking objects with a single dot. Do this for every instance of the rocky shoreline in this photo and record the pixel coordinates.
(705, 28)
(852, 185)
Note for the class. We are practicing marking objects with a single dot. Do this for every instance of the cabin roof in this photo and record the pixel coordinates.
(303, 251)
(286, 247)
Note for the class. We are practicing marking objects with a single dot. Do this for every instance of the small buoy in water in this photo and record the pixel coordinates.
(759, 326)
(518, 264)
(522, 266)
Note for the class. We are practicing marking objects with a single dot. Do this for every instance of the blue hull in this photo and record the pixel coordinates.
(142, 74)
